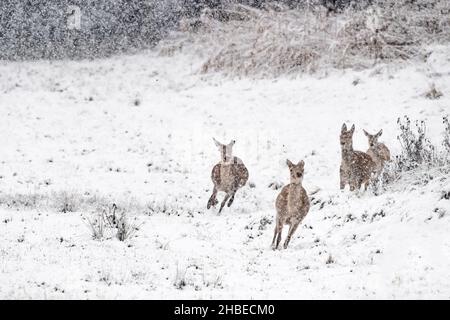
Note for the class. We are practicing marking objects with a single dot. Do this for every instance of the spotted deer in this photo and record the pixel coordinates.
(377, 151)
(292, 204)
(356, 166)
(228, 175)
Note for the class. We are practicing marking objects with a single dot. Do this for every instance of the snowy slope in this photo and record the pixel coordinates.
(137, 131)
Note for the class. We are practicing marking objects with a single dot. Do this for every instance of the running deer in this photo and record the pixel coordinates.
(292, 204)
(356, 166)
(377, 151)
(228, 175)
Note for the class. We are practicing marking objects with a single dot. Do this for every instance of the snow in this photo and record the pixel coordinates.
(137, 131)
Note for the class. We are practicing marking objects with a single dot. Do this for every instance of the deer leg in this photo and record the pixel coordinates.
(277, 234)
(231, 198)
(376, 175)
(353, 183)
(366, 184)
(212, 200)
(292, 229)
(233, 192)
(278, 238)
(358, 186)
(223, 202)
(342, 177)
(362, 181)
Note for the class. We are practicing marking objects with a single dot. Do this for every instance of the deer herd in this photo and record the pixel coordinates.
(292, 203)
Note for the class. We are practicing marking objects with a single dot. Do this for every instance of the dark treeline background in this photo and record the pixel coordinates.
(38, 29)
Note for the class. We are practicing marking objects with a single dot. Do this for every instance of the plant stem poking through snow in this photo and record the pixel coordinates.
(115, 220)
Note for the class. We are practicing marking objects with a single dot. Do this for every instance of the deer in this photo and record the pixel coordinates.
(356, 166)
(229, 175)
(292, 204)
(377, 151)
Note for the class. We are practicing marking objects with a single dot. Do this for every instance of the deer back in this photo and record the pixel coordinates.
(383, 152)
(361, 164)
(228, 176)
(292, 202)
(379, 154)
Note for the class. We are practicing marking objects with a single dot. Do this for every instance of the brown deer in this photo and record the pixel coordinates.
(356, 166)
(292, 204)
(228, 175)
(377, 151)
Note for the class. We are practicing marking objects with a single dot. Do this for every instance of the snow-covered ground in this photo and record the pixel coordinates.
(137, 131)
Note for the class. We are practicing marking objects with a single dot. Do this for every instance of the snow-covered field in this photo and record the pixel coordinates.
(137, 131)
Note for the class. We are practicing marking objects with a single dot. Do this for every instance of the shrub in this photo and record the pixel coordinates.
(125, 228)
(419, 158)
(113, 219)
(416, 148)
(446, 141)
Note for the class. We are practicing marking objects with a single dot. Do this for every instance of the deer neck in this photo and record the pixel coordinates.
(346, 151)
(226, 158)
(296, 182)
(376, 145)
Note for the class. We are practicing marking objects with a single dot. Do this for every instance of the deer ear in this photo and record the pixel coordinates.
(232, 142)
(352, 129)
(217, 142)
(289, 163)
(380, 133)
(301, 163)
(366, 133)
(344, 128)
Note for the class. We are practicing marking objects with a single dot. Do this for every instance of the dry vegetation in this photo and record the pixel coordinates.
(420, 159)
(276, 40)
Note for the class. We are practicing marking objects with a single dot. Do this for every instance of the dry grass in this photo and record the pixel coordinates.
(112, 220)
(66, 201)
(278, 40)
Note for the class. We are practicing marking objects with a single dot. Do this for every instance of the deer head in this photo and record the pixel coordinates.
(346, 138)
(296, 171)
(226, 150)
(373, 138)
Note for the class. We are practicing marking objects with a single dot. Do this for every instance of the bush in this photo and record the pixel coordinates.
(419, 158)
(416, 147)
